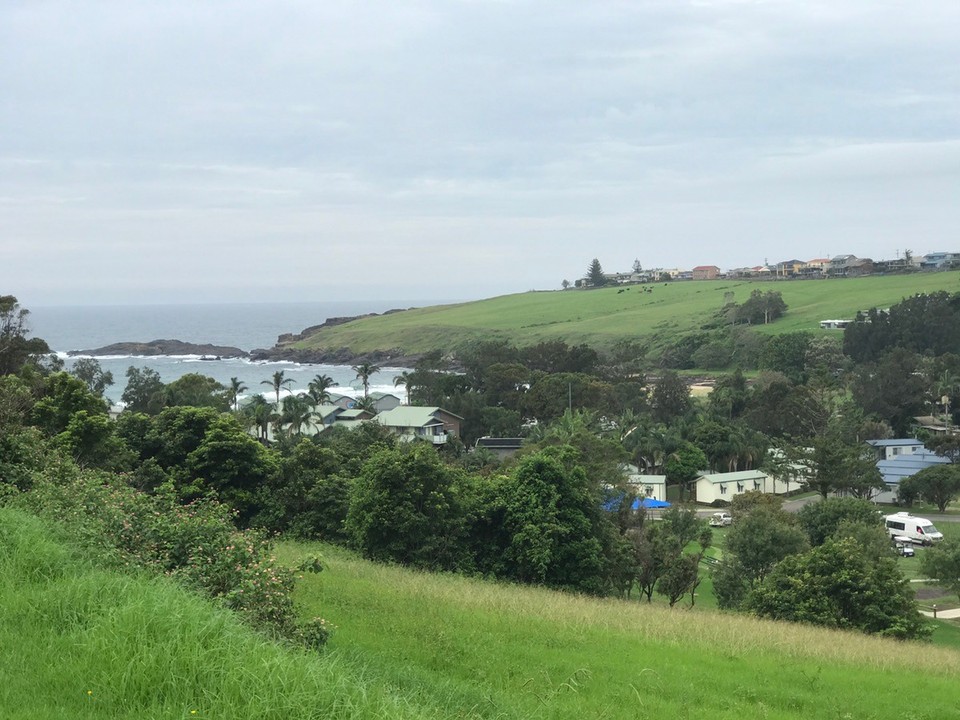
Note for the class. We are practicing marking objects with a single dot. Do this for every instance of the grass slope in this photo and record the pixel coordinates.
(498, 651)
(600, 317)
(77, 642)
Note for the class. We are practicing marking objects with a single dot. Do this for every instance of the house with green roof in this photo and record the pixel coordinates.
(726, 486)
(411, 422)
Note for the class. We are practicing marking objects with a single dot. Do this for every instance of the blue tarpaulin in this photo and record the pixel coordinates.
(649, 503)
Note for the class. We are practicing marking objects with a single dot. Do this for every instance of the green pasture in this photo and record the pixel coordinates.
(499, 651)
(603, 316)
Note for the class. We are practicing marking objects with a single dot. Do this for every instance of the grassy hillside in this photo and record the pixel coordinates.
(77, 642)
(600, 317)
(497, 651)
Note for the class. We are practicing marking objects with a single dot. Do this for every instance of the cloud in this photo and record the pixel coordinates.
(219, 149)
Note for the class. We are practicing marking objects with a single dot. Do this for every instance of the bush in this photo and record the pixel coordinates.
(196, 544)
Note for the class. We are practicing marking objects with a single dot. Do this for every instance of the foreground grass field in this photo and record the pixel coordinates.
(489, 650)
(601, 317)
(78, 642)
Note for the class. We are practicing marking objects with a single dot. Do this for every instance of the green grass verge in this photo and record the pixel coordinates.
(501, 651)
(601, 317)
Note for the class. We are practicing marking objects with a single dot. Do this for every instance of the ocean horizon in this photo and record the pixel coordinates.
(243, 325)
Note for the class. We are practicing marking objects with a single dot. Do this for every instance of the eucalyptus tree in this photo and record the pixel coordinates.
(364, 371)
(278, 382)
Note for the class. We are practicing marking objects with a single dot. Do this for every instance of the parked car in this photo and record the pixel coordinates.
(914, 529)
(720, 519)
(904, 546)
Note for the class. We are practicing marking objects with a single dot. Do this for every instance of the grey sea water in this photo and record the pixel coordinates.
(246, 326)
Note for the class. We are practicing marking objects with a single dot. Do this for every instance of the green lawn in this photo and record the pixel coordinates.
(600, 317)
(501, 651)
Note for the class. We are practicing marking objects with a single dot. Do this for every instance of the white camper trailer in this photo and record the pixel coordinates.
(916, 529)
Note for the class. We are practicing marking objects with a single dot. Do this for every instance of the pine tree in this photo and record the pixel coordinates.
(595, 274)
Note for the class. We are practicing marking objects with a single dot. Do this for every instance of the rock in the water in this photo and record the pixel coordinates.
(165, 347)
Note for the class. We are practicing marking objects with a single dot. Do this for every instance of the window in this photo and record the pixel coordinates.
(756, 485)
(723, 489)
(739, 487)
(894, 525)
(648, 490)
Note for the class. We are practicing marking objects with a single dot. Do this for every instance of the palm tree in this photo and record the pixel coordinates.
(259, 413)
(366, 403)
(236, 387)
(318, 388)
(277, 383)
(296, 413)
(364, 371)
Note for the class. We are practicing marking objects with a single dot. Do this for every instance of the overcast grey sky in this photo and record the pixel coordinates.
(192, 151)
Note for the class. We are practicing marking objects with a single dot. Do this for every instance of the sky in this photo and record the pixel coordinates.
(201, 151)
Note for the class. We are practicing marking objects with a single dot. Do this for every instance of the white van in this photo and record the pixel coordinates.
(916, 529)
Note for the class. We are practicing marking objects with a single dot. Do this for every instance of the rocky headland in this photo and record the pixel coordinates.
(285, 350)
(164, 347)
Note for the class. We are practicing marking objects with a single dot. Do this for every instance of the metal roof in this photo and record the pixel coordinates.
(903, 466)
(740, 476)
(896, 442)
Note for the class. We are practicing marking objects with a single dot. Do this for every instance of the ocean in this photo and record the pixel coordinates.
(246, 326)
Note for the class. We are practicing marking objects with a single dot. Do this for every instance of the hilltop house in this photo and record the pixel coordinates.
(411, 422)
(705, 272)
(939, 260)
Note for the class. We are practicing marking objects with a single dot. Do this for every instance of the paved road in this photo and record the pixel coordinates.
(943, 614)
(795, 505)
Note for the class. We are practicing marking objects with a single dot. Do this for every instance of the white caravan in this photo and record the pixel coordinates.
(916, 529)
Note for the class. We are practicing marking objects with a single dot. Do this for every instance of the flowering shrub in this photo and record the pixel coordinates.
(197, 544)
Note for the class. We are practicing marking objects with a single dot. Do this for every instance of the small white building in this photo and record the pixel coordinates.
(726, 486)
(646, 486)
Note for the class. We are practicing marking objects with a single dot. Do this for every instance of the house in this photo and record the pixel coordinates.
(503, 448)
(936, 425)
(705, 272)
(789, 268)
(344, 401)
(411, 422)
(858, 267)
(903, 466)
(939, 260)
(839, 265)
(725, 486)
(354, 414)
(815, 268)
(834, 324)
(645, 486)
(384, 401)
(326, 414)
(889, 449)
